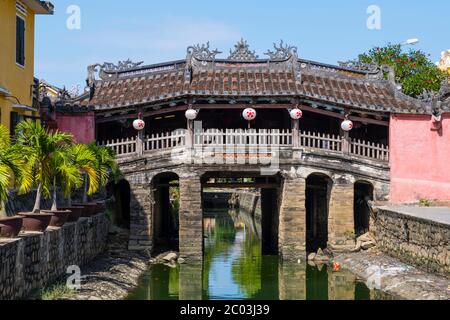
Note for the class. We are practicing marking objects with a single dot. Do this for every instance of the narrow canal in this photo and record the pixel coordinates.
(234, 269)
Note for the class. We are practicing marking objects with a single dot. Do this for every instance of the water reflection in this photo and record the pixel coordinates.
(234, 268)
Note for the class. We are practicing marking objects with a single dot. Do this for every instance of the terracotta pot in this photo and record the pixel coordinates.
(35, 221)
(59, 217)
(10, 227)
(75, 213)
(89, 209)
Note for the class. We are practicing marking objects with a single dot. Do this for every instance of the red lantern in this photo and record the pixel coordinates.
(296, 114)
(139, 124)
(347, 125)
(249, 114)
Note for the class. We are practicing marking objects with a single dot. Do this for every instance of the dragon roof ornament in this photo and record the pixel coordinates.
(202, 52)
(121, 66)
(436, 99)
(360, 66)
(107, 69)
(242, 52)
(282, 52)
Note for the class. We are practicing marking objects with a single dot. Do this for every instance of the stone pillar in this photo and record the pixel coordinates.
(292, 226)
(191, 281)
(191, 218)
(341, 223)
(141, 203)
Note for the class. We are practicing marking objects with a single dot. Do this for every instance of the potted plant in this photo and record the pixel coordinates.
(83, 161)
(105, 166)
(11, 166)
(39, 149)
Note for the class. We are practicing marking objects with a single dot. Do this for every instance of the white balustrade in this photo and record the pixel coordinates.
(244, 138)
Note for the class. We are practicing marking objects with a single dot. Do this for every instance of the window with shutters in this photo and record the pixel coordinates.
(20, 41)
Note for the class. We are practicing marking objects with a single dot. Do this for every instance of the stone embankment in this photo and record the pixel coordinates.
(416, 235)
(394, 277)
(37, 259)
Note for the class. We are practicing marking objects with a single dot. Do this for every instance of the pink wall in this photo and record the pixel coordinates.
(420, 158)
(81, 125)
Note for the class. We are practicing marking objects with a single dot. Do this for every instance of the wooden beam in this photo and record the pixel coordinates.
(241, 107)
(145, 114)
(341, 116)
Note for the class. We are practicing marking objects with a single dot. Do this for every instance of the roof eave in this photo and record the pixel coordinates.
(40, 7)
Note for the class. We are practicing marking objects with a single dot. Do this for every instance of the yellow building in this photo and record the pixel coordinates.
(17, 84)
(444, 64)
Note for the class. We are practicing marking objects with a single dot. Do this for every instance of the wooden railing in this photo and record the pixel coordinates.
(123, 146)
(367, 149)
(242, 138)
(165, 140)
(322, 141)
(239, 138)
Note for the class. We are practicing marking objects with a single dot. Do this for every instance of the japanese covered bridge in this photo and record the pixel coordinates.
(313, 137)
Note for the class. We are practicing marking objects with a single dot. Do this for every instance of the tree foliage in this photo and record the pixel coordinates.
(44, 153)
(413, 69)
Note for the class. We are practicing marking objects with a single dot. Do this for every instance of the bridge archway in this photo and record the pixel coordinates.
(364, 192)
(165, 219)
(317, 203)
(261, 205)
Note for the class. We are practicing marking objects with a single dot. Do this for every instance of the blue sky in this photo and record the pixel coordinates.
(156, 31)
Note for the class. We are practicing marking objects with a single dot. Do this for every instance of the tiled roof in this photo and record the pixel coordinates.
(284, 75)
(247, 81)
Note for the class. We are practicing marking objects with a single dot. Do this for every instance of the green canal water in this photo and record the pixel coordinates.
(234, 269)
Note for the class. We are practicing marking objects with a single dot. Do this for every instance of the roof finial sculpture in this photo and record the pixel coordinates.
(106, 69)
(282, 52)
(357, 65)
(202, 52)
(285, 56)
(121, 65)
(242, 52)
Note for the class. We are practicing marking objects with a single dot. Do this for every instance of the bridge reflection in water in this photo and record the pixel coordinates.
(234, 269)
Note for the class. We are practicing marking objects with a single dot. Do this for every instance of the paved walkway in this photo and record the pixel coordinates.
(437, 214)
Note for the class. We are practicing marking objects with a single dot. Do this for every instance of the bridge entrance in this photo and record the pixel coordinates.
(318, 189)
(165, 188)
(363, 194)
(255, 199)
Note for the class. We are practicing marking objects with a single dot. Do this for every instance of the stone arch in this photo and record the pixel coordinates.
(317, 204)
(165, 211)
(363, 192)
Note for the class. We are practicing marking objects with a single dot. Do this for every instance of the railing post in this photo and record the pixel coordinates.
(295, 134)
(346, 143)
(140, 143)
(190, 134)
(296, 151)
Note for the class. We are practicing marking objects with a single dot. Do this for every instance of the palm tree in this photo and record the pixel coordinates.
(106, 166)
(85, 161)
(41, 150)
(12, 166)
(65, 172)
